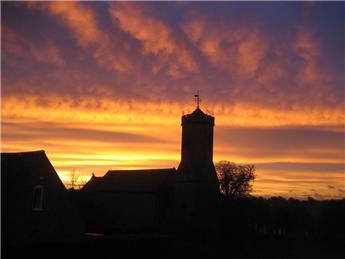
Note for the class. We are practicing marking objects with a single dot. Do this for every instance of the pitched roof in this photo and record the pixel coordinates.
(22, 168)
(147, 180)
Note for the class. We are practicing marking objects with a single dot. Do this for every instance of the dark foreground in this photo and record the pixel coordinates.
(248, 228)
(160, 246)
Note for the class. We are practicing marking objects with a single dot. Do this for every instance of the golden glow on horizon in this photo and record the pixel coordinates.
(69, 149)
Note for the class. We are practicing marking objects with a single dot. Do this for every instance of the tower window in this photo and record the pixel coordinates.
(37, 199)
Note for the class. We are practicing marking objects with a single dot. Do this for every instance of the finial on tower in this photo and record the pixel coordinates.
(197, 99)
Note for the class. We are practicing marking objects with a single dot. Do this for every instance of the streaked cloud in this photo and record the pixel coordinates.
(157, 38)
(83, 24)
(16, 46)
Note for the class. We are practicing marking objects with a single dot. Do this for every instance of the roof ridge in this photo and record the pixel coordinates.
(134, 171)
(25, 152)
(149, 169)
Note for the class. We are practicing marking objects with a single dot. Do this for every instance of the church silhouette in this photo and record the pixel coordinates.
(133, 200)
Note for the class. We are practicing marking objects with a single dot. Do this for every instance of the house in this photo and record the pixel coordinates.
(34, 202)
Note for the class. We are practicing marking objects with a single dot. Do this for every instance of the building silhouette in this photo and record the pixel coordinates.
(196, 184)
(38, 208)
(35, 204)
(129, 200)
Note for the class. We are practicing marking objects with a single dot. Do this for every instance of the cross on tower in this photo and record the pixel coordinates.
(197, 99)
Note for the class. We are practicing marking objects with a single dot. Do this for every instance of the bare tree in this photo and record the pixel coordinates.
(235, 179)
(73, 179)
(74, 182)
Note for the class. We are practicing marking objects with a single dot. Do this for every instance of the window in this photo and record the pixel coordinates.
(37, 201)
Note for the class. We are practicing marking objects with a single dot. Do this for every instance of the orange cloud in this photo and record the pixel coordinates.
(155, 35)
(102, 109)
(49, 53)
(309, 50)
(194, 29)
(239, 50)
(260, 66)
(11, 41)
(297, 66)
(251, 51)
(82, 21)
(16, 46)
(157, 38)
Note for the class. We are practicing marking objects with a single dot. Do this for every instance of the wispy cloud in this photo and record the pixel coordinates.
(83, 24)
(157, 38)
(16, 46)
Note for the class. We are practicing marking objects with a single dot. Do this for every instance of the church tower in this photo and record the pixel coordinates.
(196, 185)
(197, 149)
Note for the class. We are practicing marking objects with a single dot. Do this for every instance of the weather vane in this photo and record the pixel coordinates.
(197, 99)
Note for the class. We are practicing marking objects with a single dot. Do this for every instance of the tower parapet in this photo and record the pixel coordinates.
(197, 116)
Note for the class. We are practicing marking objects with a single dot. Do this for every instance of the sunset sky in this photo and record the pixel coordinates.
(103, 86)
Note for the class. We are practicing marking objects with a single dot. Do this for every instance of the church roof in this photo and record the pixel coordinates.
(147, 180)
(198, 116)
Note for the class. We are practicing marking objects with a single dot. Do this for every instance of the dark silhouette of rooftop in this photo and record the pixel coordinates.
(145, 180)
(198, 116)
(36, 207)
